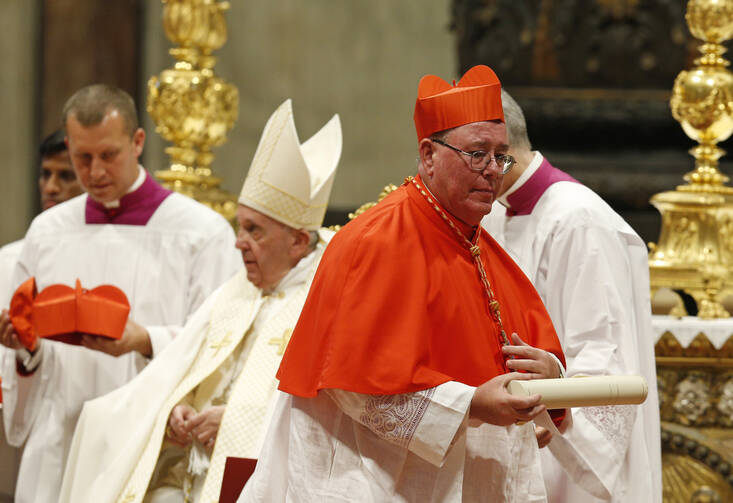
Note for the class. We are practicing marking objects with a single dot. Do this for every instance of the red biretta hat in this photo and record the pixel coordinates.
(63, 313)
(439, 105)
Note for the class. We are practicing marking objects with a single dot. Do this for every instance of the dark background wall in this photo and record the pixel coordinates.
(594, 78)
(86, 42)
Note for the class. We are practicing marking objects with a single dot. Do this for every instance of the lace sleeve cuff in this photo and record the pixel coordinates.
(425, 422)
(444, 418)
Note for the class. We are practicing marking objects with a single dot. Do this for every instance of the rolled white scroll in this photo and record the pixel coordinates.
(583, 391)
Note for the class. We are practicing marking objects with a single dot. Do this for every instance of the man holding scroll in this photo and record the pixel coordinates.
(395, 375)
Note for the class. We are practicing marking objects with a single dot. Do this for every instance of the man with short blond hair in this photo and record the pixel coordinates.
(91, 104)
(215, 382)
(166, 252)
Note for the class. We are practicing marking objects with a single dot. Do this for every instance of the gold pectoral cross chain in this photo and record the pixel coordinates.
(475, 251)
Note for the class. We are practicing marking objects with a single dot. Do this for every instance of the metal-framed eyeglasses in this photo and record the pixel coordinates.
(480, 159)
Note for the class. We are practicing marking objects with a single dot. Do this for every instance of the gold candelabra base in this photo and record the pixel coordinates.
(695, 249)
(204, 189)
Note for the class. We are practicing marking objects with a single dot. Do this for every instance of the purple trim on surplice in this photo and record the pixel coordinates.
(135, 208)
(523, 200)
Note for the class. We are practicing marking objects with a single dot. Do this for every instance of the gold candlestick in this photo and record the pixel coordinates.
(695, 249)
(192, 107)
(702, 98)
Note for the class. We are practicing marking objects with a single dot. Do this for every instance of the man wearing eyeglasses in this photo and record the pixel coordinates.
(591, 270)
(395, 375)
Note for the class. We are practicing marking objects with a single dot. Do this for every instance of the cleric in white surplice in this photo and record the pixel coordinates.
(591, 270)
(166, 435)
(164, 250)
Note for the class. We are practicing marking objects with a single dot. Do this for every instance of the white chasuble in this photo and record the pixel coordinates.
(229, 351)
(229, 322)
(249, 407)
(166, 268)
(591, 271)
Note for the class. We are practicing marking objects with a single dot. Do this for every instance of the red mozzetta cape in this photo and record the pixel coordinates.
(397, 306)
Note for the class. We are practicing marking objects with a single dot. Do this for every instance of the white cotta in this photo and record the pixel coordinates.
(416, 447)
(591, 271)
(9, 455)
(8, 258)
(228, 353)
(166, 268)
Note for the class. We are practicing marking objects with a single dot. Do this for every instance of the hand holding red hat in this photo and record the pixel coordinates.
(62, 313)
(21, 307)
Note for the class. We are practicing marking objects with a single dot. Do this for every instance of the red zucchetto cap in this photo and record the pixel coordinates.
(439, 105)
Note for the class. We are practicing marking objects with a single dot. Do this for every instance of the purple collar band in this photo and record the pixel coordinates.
(523, 200)
(135, 208)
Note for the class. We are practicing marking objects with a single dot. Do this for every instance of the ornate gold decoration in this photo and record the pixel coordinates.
(725, 401)
(700, 347)
(692, 400)
(192, 107)
(387, 190)
(686, 479)
(694, 390)
(695, 386)
(694, 251)
(696, 467)
(726, 350)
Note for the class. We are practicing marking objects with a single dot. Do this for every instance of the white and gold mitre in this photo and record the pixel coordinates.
(288, 181)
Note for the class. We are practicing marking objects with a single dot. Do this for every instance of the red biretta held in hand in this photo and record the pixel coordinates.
(62, 313)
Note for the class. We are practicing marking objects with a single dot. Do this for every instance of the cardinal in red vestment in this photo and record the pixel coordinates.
(395, 375)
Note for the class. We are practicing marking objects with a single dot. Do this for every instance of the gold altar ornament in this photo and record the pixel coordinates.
(387, 190)
(191, 106)
(695, 248)
(695, 385)
(695, 254)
